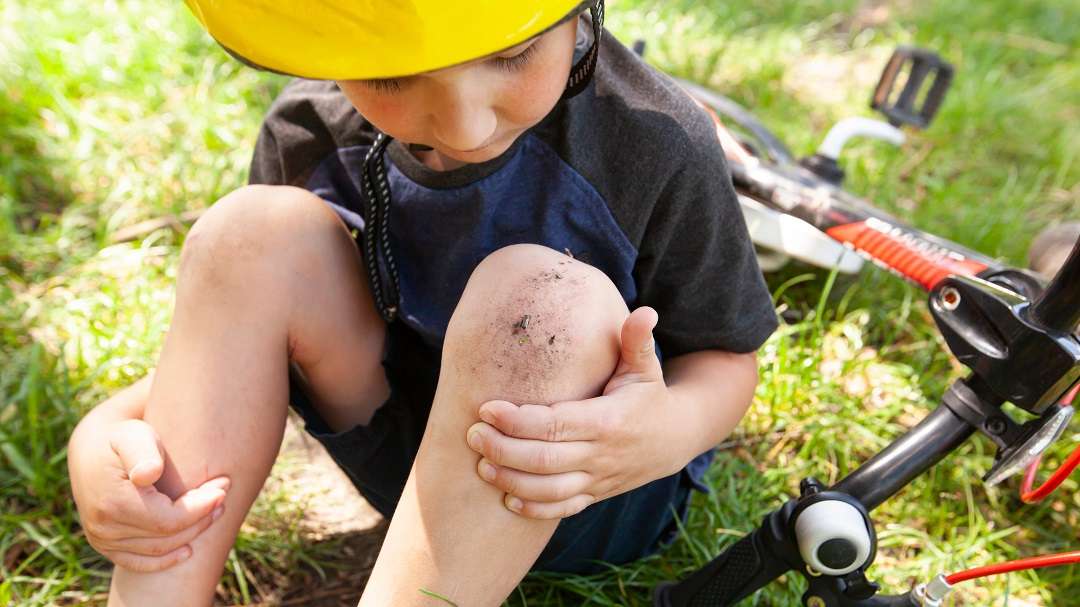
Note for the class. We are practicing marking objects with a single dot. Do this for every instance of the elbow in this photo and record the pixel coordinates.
(749, 364)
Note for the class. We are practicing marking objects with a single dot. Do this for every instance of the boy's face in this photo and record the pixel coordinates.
(471, 112)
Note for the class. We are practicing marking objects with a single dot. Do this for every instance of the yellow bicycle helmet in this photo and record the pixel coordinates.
(370, 39)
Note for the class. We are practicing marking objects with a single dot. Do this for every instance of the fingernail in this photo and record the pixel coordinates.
(140, 467)
(486, 416)
(513, 503)
(474, 439)
(487, 471)
(216, 514)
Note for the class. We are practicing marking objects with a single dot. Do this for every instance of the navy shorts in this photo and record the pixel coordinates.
(378, 456)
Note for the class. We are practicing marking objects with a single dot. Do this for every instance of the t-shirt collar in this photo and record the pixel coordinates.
(417, 171)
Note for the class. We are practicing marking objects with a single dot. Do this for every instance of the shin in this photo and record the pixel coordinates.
(533, 326)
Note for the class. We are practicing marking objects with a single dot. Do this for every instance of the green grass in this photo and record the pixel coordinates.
(117, 112)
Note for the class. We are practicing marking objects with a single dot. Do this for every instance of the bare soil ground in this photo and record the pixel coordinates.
(334, 513)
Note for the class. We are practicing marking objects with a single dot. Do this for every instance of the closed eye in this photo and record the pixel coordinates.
(512, 63)
(383, 85)
(516, 62)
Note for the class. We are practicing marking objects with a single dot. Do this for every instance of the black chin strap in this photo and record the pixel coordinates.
(381, 267)
(582, 71)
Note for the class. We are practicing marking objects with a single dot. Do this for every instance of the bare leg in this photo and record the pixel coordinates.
(268, 275)
(451, 533)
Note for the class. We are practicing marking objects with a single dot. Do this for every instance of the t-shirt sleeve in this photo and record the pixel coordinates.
(307, 122)
(697, 266)
(266, 166)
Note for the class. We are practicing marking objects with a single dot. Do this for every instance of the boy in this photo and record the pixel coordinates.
(475, 368)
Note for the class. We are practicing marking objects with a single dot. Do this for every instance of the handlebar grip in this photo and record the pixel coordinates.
(737, 573)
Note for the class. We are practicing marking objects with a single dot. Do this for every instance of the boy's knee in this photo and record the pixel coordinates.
(257, 229)
(535, 325)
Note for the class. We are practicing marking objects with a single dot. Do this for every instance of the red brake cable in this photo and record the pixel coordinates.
(1035, 562)
(1028, 496)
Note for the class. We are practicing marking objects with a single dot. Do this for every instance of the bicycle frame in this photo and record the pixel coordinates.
(1015, 334)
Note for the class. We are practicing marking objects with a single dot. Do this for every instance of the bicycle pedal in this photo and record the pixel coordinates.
(912, 86)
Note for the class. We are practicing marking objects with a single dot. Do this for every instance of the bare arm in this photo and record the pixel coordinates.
(711, 392)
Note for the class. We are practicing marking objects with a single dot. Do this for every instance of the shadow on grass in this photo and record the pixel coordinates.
(35, 186)
(341, 580)
(336, 578)
(33, 182)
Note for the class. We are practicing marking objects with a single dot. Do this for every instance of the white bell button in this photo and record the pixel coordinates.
(833, 538)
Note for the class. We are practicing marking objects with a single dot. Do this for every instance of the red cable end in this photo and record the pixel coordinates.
(1036, 562)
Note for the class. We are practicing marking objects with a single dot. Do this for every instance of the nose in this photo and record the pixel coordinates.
(464, 118)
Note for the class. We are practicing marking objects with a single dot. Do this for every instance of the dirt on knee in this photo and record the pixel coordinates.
(544, 332)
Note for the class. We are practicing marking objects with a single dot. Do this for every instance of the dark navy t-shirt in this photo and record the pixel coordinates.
(438, 235)
(628, 176)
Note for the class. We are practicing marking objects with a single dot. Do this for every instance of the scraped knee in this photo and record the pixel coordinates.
(535, 325)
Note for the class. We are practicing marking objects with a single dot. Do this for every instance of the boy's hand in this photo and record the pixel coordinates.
(113, 467)
(554, 460)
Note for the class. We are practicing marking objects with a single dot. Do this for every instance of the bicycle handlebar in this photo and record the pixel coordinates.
(761, 557)
(885, 474)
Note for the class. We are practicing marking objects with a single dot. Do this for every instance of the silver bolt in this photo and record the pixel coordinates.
(950, 298)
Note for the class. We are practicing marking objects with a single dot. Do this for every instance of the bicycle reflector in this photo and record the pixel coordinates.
(912, 87)
(1014, 460)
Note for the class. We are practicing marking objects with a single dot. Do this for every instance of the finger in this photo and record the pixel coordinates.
(535, 487)
(145, 512)
(638, 347)
(548, 510)
(137, 445)
(149, 564)
(155, 515)
(638, 361)
(540, 457)
(559, 422)
(161, 546)
(218, 482)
